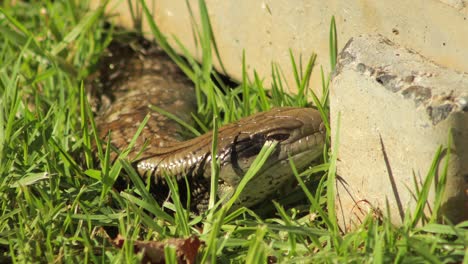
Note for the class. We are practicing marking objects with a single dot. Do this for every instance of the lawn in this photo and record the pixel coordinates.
(58, 203)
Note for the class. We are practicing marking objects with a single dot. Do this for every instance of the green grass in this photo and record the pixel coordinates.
(55, 200)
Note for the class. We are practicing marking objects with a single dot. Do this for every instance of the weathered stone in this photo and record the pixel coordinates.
(267, 30)
(396, 109)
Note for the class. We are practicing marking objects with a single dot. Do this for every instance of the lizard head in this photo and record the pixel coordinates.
(299, 135)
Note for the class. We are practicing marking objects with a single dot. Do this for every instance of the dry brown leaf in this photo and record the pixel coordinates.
(153, 251)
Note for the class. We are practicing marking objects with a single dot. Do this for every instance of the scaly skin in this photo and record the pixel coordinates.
(153, 79)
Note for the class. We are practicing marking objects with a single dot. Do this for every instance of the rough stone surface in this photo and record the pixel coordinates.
(267, 29)
(396, 109)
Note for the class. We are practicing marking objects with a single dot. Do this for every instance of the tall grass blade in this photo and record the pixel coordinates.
(181, 214)
(331, 181)
(423, 195)
(214, 165)
(333, 44)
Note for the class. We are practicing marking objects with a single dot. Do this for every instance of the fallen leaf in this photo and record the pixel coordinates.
(153, 251)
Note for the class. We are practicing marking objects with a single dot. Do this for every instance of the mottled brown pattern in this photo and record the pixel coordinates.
(130, 80)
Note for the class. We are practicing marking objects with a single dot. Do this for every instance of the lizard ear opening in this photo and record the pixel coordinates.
(278, 137)
(248, 147)
(244, 151)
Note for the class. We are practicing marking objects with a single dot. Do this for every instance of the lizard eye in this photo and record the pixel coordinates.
(278, 137)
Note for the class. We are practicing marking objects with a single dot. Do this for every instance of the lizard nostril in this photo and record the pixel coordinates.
(322, 128)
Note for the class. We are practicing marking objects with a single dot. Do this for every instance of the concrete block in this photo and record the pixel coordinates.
(396, 109)
(266, 30)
